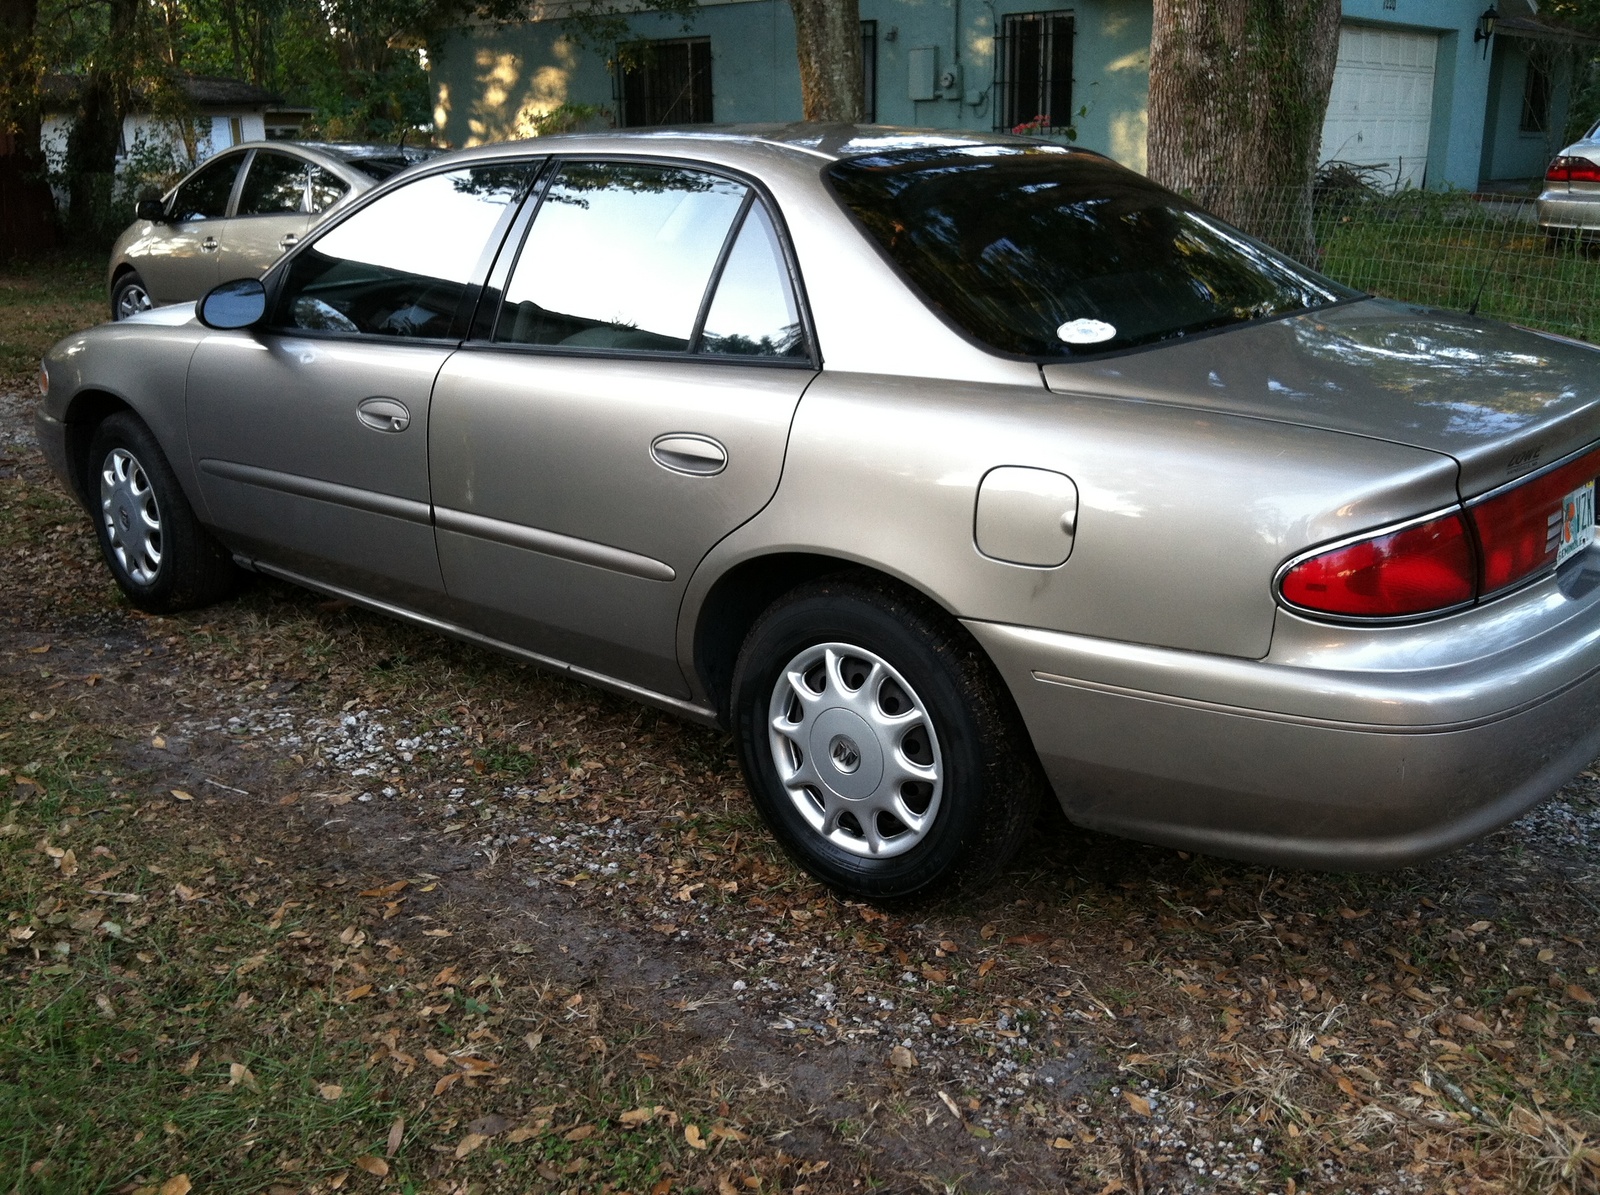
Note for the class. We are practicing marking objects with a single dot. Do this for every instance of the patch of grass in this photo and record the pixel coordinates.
(1442, 250)
(43, 300)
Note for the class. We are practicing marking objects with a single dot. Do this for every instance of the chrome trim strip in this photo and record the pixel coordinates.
(1243, 711)
(550, 543)
(1524, 479)
(1390, 529)
(323, 491)
(703, 714)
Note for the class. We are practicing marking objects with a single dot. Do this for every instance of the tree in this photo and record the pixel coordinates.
(828, 44)
(1238, 92)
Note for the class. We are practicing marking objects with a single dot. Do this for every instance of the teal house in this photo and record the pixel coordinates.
(1430, 92)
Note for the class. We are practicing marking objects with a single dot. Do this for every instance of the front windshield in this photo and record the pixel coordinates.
(1053, 254)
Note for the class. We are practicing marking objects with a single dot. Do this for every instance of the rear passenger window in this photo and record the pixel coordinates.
(619, 257)
(326, 189)
(754, 313)
(400, 266)
(275, 185)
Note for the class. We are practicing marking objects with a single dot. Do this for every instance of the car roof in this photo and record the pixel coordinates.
(832, 142)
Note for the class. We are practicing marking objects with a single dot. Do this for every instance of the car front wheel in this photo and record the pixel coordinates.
(158, 552)
(878, 743)
(129, 296)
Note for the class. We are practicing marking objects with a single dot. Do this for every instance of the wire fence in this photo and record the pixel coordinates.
(1442, 249)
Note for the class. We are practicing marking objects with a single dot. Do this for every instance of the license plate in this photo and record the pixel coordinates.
(1577, 522)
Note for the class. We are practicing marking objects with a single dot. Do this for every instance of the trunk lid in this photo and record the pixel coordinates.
(1503, 401)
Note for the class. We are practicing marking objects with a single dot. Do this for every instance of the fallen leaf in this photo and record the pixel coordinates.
(726, 1132)
(159, 743)
(437, 933)
(664, 1187)
(240, 1075)
(1027, 939)
(397, 1134)
(724, 1187)
(1137, 1102)
(469, 1143)
(1579, 994)
(358, 992)
(185, 893)
(691, 1134)
(1353, 914)
(491, 1125)
(1062, 1143)
(985, 967)
(181, 795)
(435, 1057)
(386, 890)
(446, 1083)
(372, 1165)
(582, 1133)
(68, 863)
(902, 1059)
(178, 1184)
(330, 1091)
(638, 1116)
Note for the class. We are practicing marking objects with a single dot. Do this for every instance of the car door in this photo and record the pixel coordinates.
(629, 407)
(181, 263)
(309, 435)
(271, 214)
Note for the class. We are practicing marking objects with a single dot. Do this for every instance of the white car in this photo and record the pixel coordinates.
(1569, 206)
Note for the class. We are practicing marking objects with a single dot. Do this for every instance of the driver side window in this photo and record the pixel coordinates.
(204, 195)
(401, 265)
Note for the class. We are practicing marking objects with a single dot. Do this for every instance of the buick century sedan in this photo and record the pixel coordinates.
(946, 472)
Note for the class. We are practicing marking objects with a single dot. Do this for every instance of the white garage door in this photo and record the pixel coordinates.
(1382, 101)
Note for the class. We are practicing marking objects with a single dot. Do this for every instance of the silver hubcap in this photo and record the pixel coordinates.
(855, 750)
(131, 300)
(132, 518)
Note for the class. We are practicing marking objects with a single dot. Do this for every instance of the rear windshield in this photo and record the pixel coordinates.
(1053, 254)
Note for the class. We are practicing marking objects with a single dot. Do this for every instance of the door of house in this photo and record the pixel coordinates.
(1381, 106)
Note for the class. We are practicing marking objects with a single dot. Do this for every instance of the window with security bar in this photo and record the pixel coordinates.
(869, 72)
(1033, 71)
(665, 82)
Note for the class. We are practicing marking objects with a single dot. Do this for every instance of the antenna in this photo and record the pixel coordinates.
(1493, 261)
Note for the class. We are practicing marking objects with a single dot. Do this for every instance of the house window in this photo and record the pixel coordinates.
(1033, 70)
(666, 82)
(236, 129)
(869, 72)
(1536, 99)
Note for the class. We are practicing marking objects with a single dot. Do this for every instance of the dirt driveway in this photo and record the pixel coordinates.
(298, 899)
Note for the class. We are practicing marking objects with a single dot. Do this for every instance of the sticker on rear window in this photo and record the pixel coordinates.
(1086, 331)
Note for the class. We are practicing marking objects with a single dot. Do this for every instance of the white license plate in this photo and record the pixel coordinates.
(1577, 522)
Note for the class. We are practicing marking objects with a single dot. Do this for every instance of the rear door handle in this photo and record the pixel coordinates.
(687, 452)
(287, 242)
(209, 245)
(384, 414)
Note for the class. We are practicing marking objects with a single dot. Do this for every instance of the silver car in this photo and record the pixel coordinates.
(1569, 205)
(236, 214)
(944, 471)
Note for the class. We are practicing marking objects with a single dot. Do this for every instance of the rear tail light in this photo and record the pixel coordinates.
(1416, 570)
(1446, 561)
(1572, 169)
(1519, 530)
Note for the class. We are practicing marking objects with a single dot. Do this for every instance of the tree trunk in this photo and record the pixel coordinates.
(27, 207)
(1238, 92)
(97, 125)
(828, 43)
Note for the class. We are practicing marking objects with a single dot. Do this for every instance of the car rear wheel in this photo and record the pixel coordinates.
(158, 552)
(879, 745)
(129, 296)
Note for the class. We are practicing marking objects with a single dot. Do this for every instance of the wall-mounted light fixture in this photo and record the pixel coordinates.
(1485, 29)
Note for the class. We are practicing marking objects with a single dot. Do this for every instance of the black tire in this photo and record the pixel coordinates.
(989, 779)
(156, 549)
(129, 295)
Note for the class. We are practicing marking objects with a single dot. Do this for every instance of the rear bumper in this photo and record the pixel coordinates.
(1561, 209)
(1348, 749)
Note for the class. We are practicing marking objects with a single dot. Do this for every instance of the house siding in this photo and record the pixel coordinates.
(490, 82)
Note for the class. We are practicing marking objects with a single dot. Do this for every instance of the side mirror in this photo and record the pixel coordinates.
(151, 209)
(236, 304)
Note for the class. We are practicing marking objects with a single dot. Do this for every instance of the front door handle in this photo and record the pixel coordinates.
(384, 414)
(287, 242)
(687, 452)
(209, 245)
